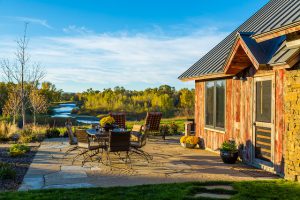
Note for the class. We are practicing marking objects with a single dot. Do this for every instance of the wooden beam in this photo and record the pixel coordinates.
(291, 28)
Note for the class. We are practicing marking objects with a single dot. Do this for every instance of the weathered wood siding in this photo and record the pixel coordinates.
(239, 116)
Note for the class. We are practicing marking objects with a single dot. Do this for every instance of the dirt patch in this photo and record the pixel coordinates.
(20, 165)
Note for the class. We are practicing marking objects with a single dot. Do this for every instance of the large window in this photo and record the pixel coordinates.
(215, 104)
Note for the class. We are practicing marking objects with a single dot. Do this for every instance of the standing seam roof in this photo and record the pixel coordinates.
(275, 14)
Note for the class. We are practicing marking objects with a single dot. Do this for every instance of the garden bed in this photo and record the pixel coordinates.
(20, 164)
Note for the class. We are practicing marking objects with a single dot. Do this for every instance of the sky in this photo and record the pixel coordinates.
(136, 44)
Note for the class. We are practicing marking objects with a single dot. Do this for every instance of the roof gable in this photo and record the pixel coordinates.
(265, 19)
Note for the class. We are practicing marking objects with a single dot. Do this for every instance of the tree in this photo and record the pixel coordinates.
(12, 106)
(187, 101)
(38, 104)
(22, 73)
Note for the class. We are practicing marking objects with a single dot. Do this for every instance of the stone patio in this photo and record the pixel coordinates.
(171, 163)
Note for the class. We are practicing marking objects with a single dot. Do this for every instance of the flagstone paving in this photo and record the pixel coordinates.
(171, 163)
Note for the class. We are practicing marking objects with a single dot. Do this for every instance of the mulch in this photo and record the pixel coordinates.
(20, 165)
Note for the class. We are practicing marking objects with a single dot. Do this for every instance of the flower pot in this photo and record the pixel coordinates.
(187, 145)
(229, 157)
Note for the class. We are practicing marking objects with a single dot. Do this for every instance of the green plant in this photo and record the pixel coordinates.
(173, 128)
(229, 146)
(164, 129)
(27, 135)
(18, 150)
(52, 133)
(7, 171)
(107, 121)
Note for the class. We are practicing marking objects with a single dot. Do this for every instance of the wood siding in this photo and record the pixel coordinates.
(238, 117)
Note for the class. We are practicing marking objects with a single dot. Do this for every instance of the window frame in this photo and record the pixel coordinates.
(214, 127)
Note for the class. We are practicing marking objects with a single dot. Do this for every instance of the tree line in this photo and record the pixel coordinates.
(166, 99)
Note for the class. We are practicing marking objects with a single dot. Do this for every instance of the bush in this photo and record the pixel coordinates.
(229, 146)
(27, 135)
(7, 130)
(7, 171)
(18, 150)
(164, 129)
(52, 133)
(173, 128)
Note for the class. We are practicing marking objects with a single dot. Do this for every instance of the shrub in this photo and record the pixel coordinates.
(229, 146)
(7, 171)
(7, 130)
(52, 133)
(18, 150)
(173, 128)
(26, 135)
(189, 139)
(164, 129)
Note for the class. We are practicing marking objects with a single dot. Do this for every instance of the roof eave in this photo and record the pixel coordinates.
(284, 30)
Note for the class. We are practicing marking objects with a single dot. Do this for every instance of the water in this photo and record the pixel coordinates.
(64, 111)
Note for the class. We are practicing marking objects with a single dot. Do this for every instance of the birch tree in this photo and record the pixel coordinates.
(38, 104)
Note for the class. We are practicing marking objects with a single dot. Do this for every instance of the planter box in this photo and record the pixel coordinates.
(189, 146)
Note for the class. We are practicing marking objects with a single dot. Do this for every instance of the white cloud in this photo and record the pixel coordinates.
(98, 60)
(41, 22)
(75, 29)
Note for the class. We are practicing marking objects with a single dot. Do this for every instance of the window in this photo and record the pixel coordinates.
(215, 104)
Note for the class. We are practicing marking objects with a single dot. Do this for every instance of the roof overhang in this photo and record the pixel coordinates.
(207, 77)
(240, 58)
(293, 60)
(284, 30)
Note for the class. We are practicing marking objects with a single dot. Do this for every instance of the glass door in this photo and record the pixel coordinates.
(263, 136)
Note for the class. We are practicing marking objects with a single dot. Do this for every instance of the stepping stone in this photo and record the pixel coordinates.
(224, 187)
(213, 196)
(73, 168)
(70, 186)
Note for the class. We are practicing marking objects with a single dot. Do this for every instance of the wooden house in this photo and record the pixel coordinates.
(248, 89)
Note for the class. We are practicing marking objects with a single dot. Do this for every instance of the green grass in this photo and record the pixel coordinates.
(178, 121)
(279, 189)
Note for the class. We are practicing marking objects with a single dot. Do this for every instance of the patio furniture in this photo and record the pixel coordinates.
(153, 121)
(120, 119)
(139, 140)
(72, 139)
(119, 141)
(85, 146)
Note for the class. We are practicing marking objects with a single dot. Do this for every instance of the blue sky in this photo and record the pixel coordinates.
(131, 43)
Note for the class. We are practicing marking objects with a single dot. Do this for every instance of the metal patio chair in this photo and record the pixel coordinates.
(120, 119)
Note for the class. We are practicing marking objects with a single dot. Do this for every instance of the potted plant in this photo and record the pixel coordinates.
(107, 123)
(229, 152)
(189, 141)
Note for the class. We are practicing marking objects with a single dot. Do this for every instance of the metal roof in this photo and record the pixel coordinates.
(274, 14)
(283, 54)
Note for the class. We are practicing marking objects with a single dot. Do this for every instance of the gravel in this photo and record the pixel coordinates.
(20, 165)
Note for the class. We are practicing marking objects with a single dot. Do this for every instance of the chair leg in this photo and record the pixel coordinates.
(128, 157)
(70, 150)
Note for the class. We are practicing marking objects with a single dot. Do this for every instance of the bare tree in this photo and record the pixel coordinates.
(21, 72)
(38, 103)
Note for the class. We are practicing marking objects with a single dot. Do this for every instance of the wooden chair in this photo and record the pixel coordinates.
(153, 121)
(85, 146)
(118, 142)
(120, 119)
(139, 136)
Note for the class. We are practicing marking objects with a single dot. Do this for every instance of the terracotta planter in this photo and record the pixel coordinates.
(229, 157)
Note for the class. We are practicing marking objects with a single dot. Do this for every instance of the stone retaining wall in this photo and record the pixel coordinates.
(292, 124)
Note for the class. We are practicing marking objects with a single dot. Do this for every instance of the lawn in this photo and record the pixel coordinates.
(243, 190)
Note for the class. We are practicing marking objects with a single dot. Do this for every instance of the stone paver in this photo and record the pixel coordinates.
(171, 163)
(223, 187)
(213, 196)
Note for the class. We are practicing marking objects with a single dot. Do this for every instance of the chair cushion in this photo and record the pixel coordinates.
(135, 144)
(135, 136)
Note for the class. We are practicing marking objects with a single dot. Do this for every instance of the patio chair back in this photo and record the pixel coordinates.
(119, 141)
(120, 119)
(82, 138)
(153, 121)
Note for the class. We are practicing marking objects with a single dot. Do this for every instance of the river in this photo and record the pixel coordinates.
(64, 111)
